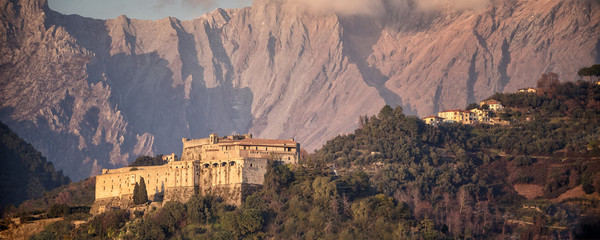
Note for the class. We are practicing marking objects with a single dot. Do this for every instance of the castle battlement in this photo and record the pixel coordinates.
(230, 167)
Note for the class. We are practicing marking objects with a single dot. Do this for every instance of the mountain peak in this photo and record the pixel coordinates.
(275, 69)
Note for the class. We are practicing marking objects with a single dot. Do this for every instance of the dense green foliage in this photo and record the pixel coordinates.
(148, 161)
(594, 71)
(25, 173)
(440, 171)
(397, 178)
(73, 194)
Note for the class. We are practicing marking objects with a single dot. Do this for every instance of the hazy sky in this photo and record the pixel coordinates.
(143, 9)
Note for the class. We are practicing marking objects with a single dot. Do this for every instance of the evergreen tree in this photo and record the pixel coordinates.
(143, 193)
(140, 195)
(136, 193)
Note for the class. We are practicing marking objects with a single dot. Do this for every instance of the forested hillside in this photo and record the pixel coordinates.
(397, 178)
(24, 172)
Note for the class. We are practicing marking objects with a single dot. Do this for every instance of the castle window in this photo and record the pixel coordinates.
(223, 164)
(206, 165)
(250, 164)
(232, 163)
(215, 164)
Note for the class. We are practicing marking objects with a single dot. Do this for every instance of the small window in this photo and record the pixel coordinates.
(223, 164)
(232, 163)
(250, 164)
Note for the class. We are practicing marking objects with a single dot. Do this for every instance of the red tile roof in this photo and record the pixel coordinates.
(260, 142)
(491, 101)
(456, 110)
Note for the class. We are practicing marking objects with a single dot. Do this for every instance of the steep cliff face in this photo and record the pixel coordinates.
(94, 94)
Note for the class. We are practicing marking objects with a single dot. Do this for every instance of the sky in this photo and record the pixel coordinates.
(143, 9)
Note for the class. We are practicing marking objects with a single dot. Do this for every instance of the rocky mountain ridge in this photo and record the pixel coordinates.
(94, 94)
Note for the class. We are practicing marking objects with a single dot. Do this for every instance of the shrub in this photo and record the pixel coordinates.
(58, 210)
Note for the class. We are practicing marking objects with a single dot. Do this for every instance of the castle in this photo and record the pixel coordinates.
(231, 167)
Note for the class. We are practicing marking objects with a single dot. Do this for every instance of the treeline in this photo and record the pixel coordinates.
(25, 173)
(397, 178)
(148, 161)
(440, 171)
(305, 202)
(559, 117)
(575, 100)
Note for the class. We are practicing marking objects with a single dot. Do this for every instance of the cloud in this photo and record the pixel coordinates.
(380, 7)
(460, 5)
(188, 4)
(205, 4)
(343, 7)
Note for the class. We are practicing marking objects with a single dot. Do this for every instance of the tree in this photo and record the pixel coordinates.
(547, 82)
(140, 195)
(148, 161)
(472, 106)
(594, 71)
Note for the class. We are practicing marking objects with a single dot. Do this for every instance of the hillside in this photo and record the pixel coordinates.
(397, 178)
(112, 90)
(542, 160)
(25, 173)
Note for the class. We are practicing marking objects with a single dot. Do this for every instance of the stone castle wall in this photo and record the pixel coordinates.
(218, 166)
(177, 181)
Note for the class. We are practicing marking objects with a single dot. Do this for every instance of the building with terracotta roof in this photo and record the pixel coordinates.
(458, 115)
(492, 104)
(231, 167)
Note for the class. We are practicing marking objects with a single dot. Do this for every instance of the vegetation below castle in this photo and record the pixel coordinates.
(396, 177)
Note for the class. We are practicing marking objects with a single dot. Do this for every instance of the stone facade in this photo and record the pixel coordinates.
(433, 120)
(231, 167)
(458, 115)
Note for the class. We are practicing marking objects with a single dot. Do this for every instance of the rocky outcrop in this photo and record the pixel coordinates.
(94, 94)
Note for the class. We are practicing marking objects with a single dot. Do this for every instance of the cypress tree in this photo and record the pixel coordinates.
(136, 194)
(143, 194)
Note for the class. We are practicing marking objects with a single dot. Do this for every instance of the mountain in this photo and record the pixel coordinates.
(25, 173)
(94, 94)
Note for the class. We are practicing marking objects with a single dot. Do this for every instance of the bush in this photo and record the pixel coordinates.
(56, 230)
(243, 222)
(522, 161)
(58, 210)
(107, 224)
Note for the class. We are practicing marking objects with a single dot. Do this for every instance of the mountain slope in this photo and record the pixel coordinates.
(25, 173)
(111, 90)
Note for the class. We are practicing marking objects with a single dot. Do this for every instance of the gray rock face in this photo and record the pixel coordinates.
(94, 94)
